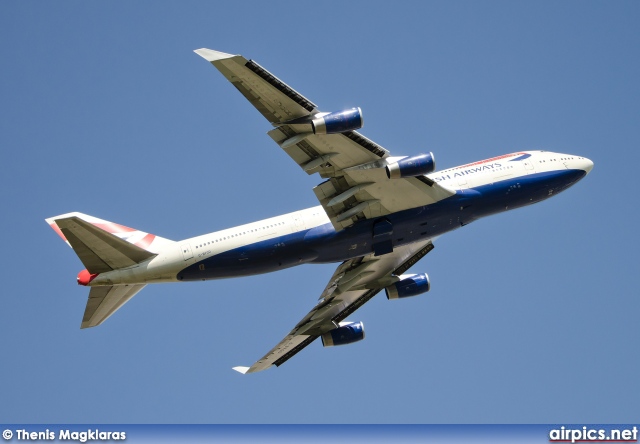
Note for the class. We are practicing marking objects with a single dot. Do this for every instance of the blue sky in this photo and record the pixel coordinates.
(532, 316)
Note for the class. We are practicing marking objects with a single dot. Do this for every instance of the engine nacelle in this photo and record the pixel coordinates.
(412, 166)
(347, 333)
(338, 122)
(409, 285)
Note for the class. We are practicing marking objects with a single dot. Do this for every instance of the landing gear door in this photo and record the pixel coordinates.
(186, 252)
(382, 237)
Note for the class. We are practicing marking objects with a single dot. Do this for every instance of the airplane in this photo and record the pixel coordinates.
(378, 216)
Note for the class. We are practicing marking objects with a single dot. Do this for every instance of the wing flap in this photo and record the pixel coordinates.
(274, 99)
(290, 345)
(346, 149)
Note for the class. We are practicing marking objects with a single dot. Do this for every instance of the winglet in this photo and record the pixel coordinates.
(211, 55)
(242, 370)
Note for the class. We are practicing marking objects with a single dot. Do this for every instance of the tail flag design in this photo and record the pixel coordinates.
(146, 241)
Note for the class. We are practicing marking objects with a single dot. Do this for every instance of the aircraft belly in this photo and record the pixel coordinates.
(323, 244)
(524, 190)
(261, 257)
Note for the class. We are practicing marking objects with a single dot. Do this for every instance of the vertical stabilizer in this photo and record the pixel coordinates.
(146, 241)
(99, 250)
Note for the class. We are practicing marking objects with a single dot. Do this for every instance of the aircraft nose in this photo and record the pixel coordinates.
(586, 165)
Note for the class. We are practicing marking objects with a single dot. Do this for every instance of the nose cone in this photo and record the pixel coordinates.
(587, 165)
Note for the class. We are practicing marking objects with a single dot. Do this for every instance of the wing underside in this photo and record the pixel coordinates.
(353, 284)
(356, 184)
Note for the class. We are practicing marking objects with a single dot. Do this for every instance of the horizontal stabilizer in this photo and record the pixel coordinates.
(105, 301)
(99, 250)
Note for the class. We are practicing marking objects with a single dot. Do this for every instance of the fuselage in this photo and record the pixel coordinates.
(481, 189)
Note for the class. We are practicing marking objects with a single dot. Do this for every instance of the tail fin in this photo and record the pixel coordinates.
(102, 245)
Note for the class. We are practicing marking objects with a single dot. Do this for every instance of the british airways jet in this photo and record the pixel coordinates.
(378, 216)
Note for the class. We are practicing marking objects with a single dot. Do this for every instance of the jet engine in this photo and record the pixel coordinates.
(338, 122)
(408, 285)
(346, 333)
(412, 166)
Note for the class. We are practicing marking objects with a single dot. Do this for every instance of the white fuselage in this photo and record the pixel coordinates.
(262, 241)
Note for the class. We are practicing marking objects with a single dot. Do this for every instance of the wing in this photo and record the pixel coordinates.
(356, 185)
(353, 283)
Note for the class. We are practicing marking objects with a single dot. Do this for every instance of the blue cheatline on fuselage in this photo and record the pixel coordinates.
(323, 244)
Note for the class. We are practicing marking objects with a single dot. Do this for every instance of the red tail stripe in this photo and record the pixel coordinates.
(112, 228)
(145, 241)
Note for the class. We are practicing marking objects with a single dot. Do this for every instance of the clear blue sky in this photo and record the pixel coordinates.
(533, 314)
